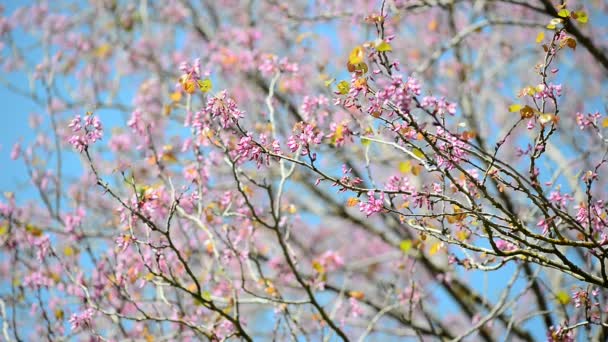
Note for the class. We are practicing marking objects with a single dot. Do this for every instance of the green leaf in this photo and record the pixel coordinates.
(206, 295)
(564, 13)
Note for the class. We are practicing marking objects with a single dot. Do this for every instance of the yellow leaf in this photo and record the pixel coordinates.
(166, 110)
(405, 166)
(103, 51)
(343, 87)
(554, 22)
(564, 13)
(604, 124)
(3, 229)
(581, 17)
(356, 294)
(365, 141)
(416, 169)
(329, 82)
(356, 55)
(189, 86)
(545, 118)
(318, 267)
(526, 112)
(292, 209)
(418, 153)
(435, 248)
(68, 251)
(405, 246)
(515, 107)
(562, 297)
(30, 228)
(176, 96)
(540, 36)
(351, 202)
(462, 235)
(384, 47)
(338, 134)
(205, 85)
(206, 295)
(570, 42)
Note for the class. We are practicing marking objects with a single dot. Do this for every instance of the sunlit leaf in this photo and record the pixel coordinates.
(580, 16)
(343, 87)
(554, 22)
(30, 228)
(189, 86)
(205, 85)
(384, 47)
(356, 295)
(356, 55)
(103, 51)
(406, 245)
(564, 13)
(68, 251)
(176, 96)
(570, 42)
(435, 248)
(418, 153)
(526, 112)
(540, 36)
(351, 202)
(515, 108)
(405, 166)
(416, 169)
(318, 267)
(562, 297)
(546, 118)
(462, 235)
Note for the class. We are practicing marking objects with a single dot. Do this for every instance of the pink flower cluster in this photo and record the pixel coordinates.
(88, 131)
(373, 204)
(305, 136)
(82, 320)
(596, 213)
(312, 103)
(438, 106)
(586, 121)
(248, 148)
(398, 92)
(223, 107)
(505, 246)
(452, 147)
(271, 64)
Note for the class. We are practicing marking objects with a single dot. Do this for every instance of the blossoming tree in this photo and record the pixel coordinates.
(307, 170)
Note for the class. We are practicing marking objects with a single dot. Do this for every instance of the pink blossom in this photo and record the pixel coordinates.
(373, 204)
(223, 107)
(82, 320)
